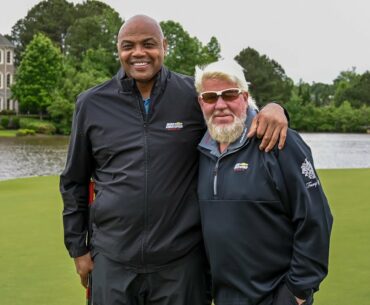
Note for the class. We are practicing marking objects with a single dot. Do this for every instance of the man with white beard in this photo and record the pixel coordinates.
(265, 219)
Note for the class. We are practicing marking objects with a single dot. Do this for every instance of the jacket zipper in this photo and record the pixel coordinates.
(145, 126)
(146, 190)
(215, 173)
(215, 170)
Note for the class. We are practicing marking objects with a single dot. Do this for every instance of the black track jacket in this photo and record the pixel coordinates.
(146, 212)
(265, 219)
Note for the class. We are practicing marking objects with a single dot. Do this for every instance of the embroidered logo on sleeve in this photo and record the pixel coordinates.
(308, 171)
(240, 167)
(174, 126)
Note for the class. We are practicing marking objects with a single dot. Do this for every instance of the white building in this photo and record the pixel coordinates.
(7, 71)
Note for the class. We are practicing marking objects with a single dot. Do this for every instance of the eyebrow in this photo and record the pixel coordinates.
(141, 41)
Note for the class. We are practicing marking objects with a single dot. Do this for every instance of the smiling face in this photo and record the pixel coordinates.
(223, 112)
(141, 48)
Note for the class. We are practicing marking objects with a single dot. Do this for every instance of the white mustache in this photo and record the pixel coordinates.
(224, 112)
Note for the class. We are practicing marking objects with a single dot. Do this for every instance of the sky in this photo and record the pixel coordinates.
(313, 40)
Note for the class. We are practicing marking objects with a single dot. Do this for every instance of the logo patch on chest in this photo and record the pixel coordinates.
(174, 126)
(241, 167)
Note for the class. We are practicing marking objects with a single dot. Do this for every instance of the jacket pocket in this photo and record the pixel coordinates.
(94, 207)
(284, 296)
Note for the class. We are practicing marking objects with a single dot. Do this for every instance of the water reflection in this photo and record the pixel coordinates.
(32, 156)
(337, 150)
(45, 155)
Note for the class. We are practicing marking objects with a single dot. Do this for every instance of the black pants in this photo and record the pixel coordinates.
(185, 284)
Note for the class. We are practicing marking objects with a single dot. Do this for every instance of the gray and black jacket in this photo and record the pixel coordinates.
(146, 212)
(265, 219)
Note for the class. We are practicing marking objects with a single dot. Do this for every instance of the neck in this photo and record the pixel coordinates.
(145, 88)
(223, 146)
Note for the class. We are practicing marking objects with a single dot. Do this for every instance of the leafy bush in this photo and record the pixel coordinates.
(25, 132)
(7, 112)
(44, 127)
(4, 121)
(13, 122)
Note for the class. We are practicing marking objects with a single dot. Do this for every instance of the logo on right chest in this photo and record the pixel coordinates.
(241, 167)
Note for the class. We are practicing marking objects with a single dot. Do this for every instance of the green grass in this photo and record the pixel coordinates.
(348, 192)
(34, 267)
(7, 133)
(36, 270)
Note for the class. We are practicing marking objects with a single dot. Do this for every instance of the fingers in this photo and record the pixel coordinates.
(267, 138)
(84, 280)
(282, 139)
(271, 125)
(300, 301)
(271, 141)
(262, 126)
(253, 127)
(84, 265)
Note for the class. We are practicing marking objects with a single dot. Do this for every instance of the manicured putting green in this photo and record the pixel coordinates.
(35, 268)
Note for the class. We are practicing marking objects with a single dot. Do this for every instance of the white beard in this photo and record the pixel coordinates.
(226, 133)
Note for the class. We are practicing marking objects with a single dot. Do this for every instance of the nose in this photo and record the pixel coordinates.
(220, 103)
(138, 51)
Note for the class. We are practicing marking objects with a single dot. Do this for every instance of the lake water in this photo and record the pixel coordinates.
(32, 156)
(336, 150)
(39, 156)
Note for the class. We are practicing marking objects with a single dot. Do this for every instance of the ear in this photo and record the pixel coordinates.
(165, 46)
(200, 101)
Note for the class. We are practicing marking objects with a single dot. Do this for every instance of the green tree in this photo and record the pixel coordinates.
(322, 94)
(304, 91)
(344, 84)
(356, 92)
(346, 118)
(51, 17)
(294, 107)
(268, 79)
(37, 75)
(96, 28)
(185, 52)
(93, 71)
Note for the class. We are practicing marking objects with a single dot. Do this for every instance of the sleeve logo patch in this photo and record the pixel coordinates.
(174, 126)
(240, 167)
(308, 171)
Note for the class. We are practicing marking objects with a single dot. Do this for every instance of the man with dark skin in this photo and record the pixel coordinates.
(156, 257)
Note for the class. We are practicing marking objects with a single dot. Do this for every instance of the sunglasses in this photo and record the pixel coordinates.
(228, 95)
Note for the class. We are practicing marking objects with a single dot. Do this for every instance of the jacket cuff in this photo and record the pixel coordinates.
(76, 252)
(303, 294)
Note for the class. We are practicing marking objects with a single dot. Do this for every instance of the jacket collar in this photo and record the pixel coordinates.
(127, 84)
(212, 146)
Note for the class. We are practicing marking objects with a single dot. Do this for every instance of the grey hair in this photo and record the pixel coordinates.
(228, 70)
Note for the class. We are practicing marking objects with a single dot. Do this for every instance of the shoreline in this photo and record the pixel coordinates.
(2, 179)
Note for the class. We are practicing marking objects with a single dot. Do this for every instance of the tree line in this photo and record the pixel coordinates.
(62, 49)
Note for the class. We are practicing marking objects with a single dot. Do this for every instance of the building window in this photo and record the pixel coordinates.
(1, 80)
(1, 104)
(9, 57)
(1, 56)
(8, 80)
(8, 104)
